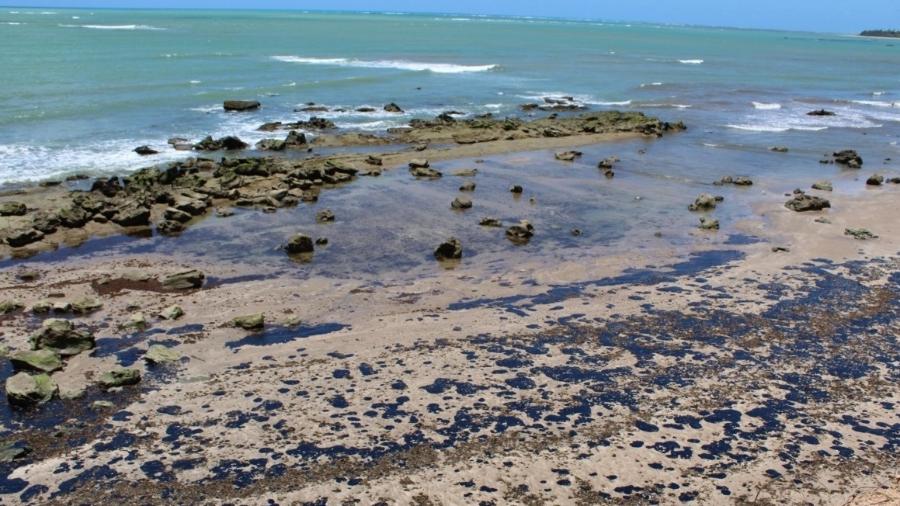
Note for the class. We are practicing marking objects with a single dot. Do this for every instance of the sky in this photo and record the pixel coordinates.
(836, 16)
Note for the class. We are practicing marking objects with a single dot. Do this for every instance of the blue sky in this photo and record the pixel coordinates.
(842, 16)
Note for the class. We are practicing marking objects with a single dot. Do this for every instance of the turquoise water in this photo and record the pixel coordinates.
(80, 88)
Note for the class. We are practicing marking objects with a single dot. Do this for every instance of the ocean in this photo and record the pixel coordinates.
(82, 88)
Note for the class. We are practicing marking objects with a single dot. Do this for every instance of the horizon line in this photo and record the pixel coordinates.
(444, 14)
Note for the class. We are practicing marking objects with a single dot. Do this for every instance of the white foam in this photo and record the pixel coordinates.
(691, 62)
(876, 103)
(665, 105)
(12, 23)
(194, 81)
(645, 85)
(438, 68)
(116, 27)
(762, 106)
(877, 93)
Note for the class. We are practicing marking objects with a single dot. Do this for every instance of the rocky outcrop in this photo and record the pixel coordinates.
(451, 249)
(735, 180)
(24, 389)
(172, 312)
(241, 105)
(145, 151)
(392, 107)
(184, 280)
(848, 158)
(13, 209)
(23, 237)
(227, 143)
(45, 360)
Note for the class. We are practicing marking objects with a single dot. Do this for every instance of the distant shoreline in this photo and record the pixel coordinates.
(887, 34)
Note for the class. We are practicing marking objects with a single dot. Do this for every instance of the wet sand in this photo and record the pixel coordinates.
(665, 364)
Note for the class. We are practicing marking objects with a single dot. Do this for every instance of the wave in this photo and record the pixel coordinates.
(116, 27)
(438, 68)
(775, 128)
(12, 23)
(691, 62)
(876, 103)
(646, 85)
(664, 105)
(766, 107)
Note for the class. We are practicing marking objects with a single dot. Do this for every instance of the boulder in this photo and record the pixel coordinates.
(170, 227)
(461, 203)
(241, 105)
(62, 337)
(425, 172)
(109, 187)
(159, 354)
(184, 280)
(172, 312)
(520, 233)
(86, 305)
(803, 203)
(451, 249)
(132, 215)
(490, 222)
(23, 237)
(120, 377)
(607, 163)
(709, 223)
(10, 306)
(24, 389)
(295, 140)
(468, 186)
(568, 156)
(517, 189)
(325, 216)
(300, 243)
(42, 307)
(848, 158)
(176, 215)
(392, 107)
(704, 202)
(374, 160)
(270, 145)
(13, 209)
(823, 185)
(45, 360)
(419, 163)
(875, 180)
(250, 322)
(73, 217)
(145, 151)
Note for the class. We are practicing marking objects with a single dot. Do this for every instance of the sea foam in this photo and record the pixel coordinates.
(766, 107)
(116, 27)
(691, 62)
(438, 68)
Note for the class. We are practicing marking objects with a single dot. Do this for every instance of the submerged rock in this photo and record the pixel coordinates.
(466, 173)
(820, 112)
(860, 234)
(608, 163)
(451, 249)
(490, 222)
(145, 151)
(392, 107)
(779, 149)
(823, 185)
(241, 105)
(120, 377)
(875, 180)
(709, 223)
(516, 189)
(250, 322)
(735, 180)
(568, 156)
(704, 202)
(45, 360)
(61, 336)
(419, 163)
(24, 389)
(803, 203)
(521, 232)
(184, 280)
(300, 243)
(325, 216)
(461, 203)
(468, 186)
(425, 172)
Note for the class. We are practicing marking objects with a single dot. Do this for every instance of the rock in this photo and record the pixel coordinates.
(802, 203)
(820, 112)
(13, 450)
(270, 145)
(895, 180)
(461, 203)
(321, 241)
(325, 216)
(421, 172)
(172, 312)
(24, 389)
(568, 156)
(184, 280)
(145, 151)
(250, 322)
(860, 234)
(300, 243)
(490, 222)
(102, 405)
(823, 185)
(392, 107)
(241, 105)
(295, 140)
(132, 215)
(735, 180)
(13, 209)
(120, 377)
(704, 202)
(137, 321)
(780, 249)
(709, 224)
(875, 180)
(61, 336)
(849, 158)
(24, 237)
(468, 186)
(466, 173)
(451, 249)
(73, 217)
(86, 305)
(224, 212)
(10, 306)
(170, 227)
(159, 354)
(607, 163)
(374, 160)
(42, 307)
(176, 215)
(576, 232)
(517, 189)
(520, 233)
(109, 187)
(229, 143)
(365, 109)
(45, 360)
(419, 163)
(779, 149)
